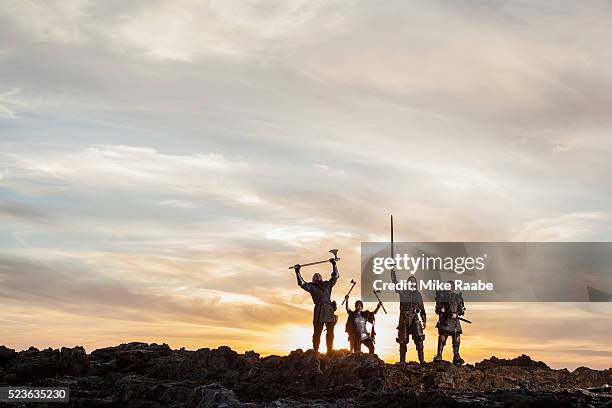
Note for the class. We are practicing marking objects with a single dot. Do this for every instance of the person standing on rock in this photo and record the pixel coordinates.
(449, 306)
(324, 308)
(356, 326)
(412, 319)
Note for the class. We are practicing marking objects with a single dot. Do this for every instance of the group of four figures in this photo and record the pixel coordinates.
(412, 318)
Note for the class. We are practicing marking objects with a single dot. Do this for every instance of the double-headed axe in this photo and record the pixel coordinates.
(334, 253)
(380, 301)
(349, 292)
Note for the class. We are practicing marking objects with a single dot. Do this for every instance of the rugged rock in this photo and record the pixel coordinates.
(151, 375)
(520, 361)
(33, 364)
(6, 355)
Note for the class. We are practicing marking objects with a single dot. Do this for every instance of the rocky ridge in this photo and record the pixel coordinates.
(139, 375)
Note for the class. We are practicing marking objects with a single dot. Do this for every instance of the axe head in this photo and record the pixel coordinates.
(334, 253)
(353, 281)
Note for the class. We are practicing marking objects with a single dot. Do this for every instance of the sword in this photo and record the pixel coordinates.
(379, 301)
(460, 318)
(393, 273)
(392, 251)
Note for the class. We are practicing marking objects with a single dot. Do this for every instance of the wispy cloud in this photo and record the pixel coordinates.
(59, 21)
(135, 168)
(582, 226)
(189, 29)
(10, 103)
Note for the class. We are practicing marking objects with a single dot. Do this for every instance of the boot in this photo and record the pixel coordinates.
(421, 354)
(438, 356)
(457, 360)
(403, 349)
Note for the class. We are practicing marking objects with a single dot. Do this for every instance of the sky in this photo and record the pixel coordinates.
(163, 162)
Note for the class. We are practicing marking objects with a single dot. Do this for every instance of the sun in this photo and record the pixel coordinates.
(290, 337)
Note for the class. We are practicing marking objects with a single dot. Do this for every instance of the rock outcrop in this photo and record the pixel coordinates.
(150, 375)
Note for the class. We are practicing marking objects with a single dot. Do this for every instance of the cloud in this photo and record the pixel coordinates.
(131, 167)
(10, 103)
(229, 28)
(22, 212)
(583, 226)
(70, 285)
(190, 29)
(177, 203)
(56, 21)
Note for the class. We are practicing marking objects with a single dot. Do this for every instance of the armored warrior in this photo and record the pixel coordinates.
(449, 306)
(324, 308)
(412, 319)
(356, 326)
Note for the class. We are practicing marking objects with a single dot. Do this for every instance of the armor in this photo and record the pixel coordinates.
(412, 320)
(412, 317)
(356, 327)
(360, 326)
(449, 306)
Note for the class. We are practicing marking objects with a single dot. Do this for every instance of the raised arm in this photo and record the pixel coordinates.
(377, 307)
(394, 280)
(334, 274)
(346, 304)
(300, 281)
(393, 276)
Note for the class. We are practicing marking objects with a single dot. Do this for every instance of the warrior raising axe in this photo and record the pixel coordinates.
(324, 308)
(356, 323)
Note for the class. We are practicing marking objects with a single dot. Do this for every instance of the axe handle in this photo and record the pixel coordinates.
(381, 303)
(349, 292)
(313, 263)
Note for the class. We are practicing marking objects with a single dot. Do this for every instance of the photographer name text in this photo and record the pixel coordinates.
(432, 284)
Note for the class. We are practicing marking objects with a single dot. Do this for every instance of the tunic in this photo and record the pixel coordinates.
(321, 297)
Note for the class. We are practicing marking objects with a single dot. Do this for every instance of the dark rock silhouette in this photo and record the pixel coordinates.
(6, 355)
(142, 375)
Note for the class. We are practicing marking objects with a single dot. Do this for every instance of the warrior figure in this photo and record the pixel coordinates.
(412, 319)
(449, 306)
(356, 326)
(324, 308)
